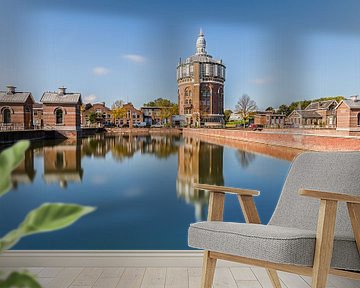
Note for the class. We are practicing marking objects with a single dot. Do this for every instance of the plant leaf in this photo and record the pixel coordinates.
(47, 217)
(20, 280)
(10, 158)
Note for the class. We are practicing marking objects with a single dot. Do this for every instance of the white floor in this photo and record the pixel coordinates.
(140, 269)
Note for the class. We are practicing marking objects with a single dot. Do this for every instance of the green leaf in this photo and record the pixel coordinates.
(20, 280)
(48, 217)
(10, 158)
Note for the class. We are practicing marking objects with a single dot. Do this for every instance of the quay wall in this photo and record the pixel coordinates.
(143, 131)
(315, 141)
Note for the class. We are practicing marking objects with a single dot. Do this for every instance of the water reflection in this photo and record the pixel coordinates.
(198, 162)
(62, 164)
(245, 158)
(25, 172)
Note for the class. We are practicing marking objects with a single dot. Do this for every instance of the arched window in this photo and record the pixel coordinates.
(359, 119)
(59, 116)
(7, 116)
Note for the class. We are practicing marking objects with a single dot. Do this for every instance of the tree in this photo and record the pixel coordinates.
(227, 114)
(92, 117)
(270, 109)
(118, 113)
(245, 106)
(117, 104)
(284, 109)
(159, 102)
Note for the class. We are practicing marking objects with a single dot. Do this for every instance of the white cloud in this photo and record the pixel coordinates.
(261, 81)
(100, 71)
(136, 58)
(90, 98)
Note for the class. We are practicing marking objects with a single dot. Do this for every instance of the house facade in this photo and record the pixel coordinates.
(16, 109)
(152, 115)
(62, 112)
(269, 119)
(96, 114)
(315, 115)
(348, 115)
(132, 116)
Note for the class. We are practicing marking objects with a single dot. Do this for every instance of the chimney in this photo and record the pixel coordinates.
(10, 89)
(354, 98)
(62, 90)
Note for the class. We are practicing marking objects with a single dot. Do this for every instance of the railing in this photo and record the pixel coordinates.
(11, 126)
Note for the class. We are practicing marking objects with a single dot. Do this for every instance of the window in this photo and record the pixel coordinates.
(359, 119)
(59, 116)
(60, 161)
(7, 116)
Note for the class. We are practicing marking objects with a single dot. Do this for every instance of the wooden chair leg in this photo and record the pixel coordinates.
(274, 278)
(324, 243)
(208, 270)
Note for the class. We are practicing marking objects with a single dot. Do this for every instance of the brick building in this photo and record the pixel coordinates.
(16, 109)
(101, 112)
(132, 116)
(269, 119)
(61, 112)
(316, 114)
(304, 119)
(38, 116)
(200, 81)
(153, 115)
(348, 115)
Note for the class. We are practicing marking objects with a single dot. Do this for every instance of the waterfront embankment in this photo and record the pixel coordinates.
(299, 139)
(143, 131)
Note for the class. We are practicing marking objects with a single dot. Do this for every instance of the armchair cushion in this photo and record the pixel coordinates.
(270, 243)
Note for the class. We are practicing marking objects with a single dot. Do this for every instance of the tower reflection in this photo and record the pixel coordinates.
(198, 162)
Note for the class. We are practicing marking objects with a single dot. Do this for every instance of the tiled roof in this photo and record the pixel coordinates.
(53, 97)
(320, 105)
(17, 97)
(308, 114)
(352, 104)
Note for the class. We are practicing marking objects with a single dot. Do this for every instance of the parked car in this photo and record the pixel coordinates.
(140, 125)
(255, 127)
(157, 125)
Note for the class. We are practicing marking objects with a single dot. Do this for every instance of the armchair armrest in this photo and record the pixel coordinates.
(222, 189)
(324, 195)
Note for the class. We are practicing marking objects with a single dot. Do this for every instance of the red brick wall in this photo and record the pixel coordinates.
(71, 114)
(18, 113)
(279, 138)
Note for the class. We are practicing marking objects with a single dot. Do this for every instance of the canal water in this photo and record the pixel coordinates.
(141, 186)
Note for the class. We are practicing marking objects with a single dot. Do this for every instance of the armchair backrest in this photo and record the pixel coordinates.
(326, 171)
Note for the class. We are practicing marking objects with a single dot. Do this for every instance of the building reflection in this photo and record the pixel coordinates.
(62, 164)
(198, 162)
(25, 172)
(245, 158)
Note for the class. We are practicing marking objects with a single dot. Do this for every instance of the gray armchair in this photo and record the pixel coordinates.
(314, 231)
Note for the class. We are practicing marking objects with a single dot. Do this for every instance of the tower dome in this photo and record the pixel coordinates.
(201, 44)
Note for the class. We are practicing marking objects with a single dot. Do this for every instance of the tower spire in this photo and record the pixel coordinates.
(201, 44)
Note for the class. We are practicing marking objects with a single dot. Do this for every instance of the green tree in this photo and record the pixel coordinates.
(270, 109)
(245, 106)
(284, 109)
(92, 117)
(227, 114)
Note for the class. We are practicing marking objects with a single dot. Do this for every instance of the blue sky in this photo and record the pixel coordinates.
(275, 51)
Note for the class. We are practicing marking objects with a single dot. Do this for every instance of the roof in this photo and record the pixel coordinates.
(351, 103)
(37, 106)
(17, 97)
(307, 114)
(320, 105)
(54, 97)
